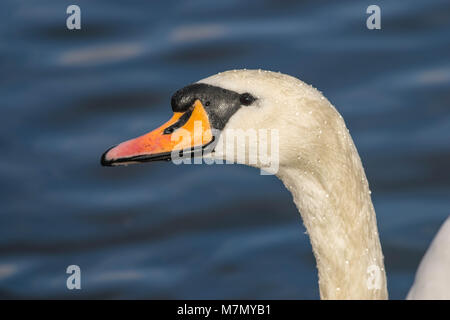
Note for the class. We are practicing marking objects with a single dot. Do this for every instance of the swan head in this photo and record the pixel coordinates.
(260, 118)
(280, 124)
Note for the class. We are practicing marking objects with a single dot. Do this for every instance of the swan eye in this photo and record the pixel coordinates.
(247, 99)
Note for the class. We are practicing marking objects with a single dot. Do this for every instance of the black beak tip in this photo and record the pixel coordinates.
(104, 162)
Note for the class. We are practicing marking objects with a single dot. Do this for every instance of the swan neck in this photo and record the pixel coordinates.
(338, 214)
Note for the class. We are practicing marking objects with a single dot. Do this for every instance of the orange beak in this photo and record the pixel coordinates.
(184, 133)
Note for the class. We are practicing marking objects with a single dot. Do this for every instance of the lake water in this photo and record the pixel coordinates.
(163, 231)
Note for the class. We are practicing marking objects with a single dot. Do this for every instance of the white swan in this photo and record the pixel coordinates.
(318, 163)
(433, 276)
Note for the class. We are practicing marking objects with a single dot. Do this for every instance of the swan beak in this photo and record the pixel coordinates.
(184, 133)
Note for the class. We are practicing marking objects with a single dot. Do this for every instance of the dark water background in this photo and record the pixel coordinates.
(165, 231)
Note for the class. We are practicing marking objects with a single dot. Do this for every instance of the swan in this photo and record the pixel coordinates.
(316, 160)
(432, 279)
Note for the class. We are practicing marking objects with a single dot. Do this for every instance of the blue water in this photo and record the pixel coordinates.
(164, 231)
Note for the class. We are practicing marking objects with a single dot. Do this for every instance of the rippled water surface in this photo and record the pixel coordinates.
(165, 231)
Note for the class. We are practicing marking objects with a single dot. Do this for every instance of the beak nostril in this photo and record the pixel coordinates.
(169, 130)
(181, 122)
